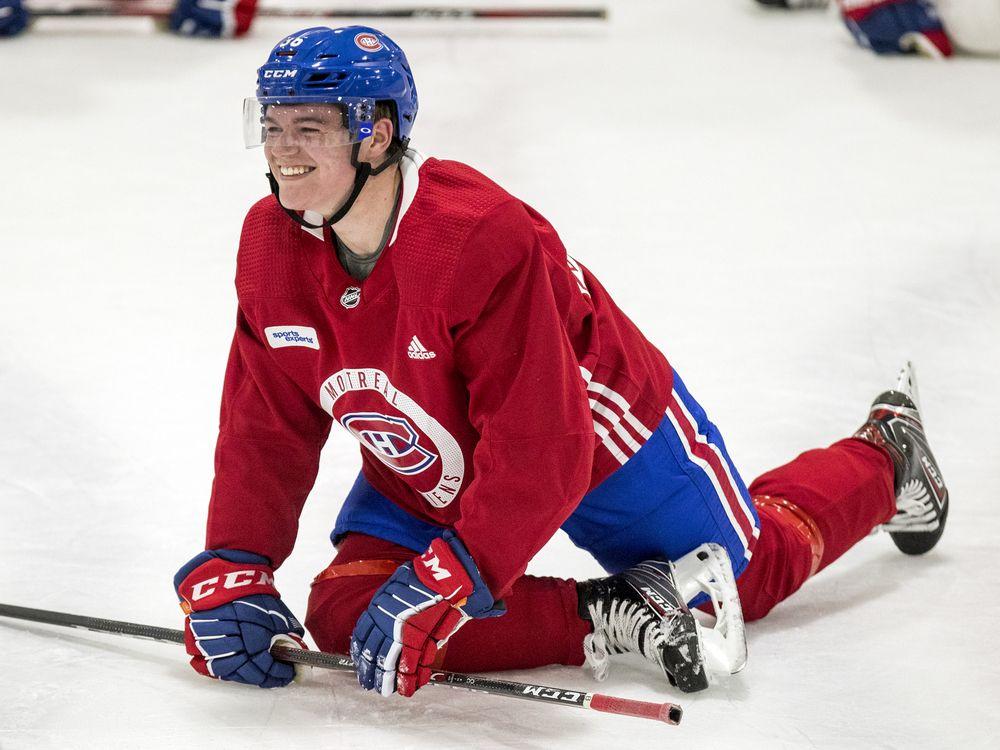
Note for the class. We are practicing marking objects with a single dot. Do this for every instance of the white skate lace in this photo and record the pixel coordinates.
(617, 631)
(915, 509)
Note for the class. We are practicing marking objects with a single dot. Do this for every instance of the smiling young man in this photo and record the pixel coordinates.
(498, 394)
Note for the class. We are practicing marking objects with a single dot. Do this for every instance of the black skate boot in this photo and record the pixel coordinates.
(921, 496)
(640, 611)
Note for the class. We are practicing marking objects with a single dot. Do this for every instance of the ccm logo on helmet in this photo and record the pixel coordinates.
(280, 73)
(233, 580)
(368, 42)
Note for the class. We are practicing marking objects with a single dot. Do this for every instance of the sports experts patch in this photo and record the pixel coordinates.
(282, 336)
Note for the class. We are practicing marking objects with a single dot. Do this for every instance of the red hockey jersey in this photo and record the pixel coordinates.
(489, 378)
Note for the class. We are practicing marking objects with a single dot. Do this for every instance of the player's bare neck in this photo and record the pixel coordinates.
(364, 226)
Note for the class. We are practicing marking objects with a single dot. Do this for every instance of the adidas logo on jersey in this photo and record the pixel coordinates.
(416, 350)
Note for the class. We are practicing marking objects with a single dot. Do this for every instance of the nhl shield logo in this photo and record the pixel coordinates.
(392, 440)
(351, 297)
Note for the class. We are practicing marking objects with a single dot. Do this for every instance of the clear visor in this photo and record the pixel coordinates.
(308, 124)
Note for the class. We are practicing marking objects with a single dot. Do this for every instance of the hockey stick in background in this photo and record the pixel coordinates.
(668, 713)
(442, 11)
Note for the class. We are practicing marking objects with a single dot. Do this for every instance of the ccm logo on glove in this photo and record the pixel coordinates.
(233, 580)
(234, 615)
(433, 564)
(413, 614)
(217, 581)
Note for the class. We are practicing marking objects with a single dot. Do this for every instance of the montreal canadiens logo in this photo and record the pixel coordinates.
(368, 42)
(397, 431)
(392, 439)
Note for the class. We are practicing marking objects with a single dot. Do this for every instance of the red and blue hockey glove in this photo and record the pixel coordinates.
(213, 17)
(894, 26)
(13, 17)
(414, 613)
(234, 615)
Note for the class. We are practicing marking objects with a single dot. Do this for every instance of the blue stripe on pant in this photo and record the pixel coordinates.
(659, 504)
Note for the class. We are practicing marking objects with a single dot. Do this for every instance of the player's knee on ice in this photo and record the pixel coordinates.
(342, 592)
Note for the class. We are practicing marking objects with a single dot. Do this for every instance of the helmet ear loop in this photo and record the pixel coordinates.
(362, 171)
(393, 157)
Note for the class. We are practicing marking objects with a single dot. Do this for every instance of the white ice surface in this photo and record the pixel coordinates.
(786, 216)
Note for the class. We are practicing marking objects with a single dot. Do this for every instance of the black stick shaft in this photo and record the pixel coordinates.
(596, 13)
(665, 712)
(97, 624)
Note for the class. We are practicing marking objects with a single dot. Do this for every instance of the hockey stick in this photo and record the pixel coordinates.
(668, 713)
(595, 13)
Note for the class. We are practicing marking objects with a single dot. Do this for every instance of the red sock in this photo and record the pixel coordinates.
(832, 498)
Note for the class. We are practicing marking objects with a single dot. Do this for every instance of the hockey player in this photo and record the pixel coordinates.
(933, 28)
(498, 394)
(212, 18)
(894, 26)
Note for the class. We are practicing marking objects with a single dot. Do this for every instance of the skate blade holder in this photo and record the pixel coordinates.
(708, 570)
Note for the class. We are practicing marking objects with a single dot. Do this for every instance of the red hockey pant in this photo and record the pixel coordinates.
(812, 510)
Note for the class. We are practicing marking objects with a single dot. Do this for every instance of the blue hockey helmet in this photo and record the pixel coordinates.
(353, 67)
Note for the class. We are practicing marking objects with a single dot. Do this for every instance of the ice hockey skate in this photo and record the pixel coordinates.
(644, 610)
(921, 495)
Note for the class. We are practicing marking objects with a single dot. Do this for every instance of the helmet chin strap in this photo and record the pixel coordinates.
(362, 171)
